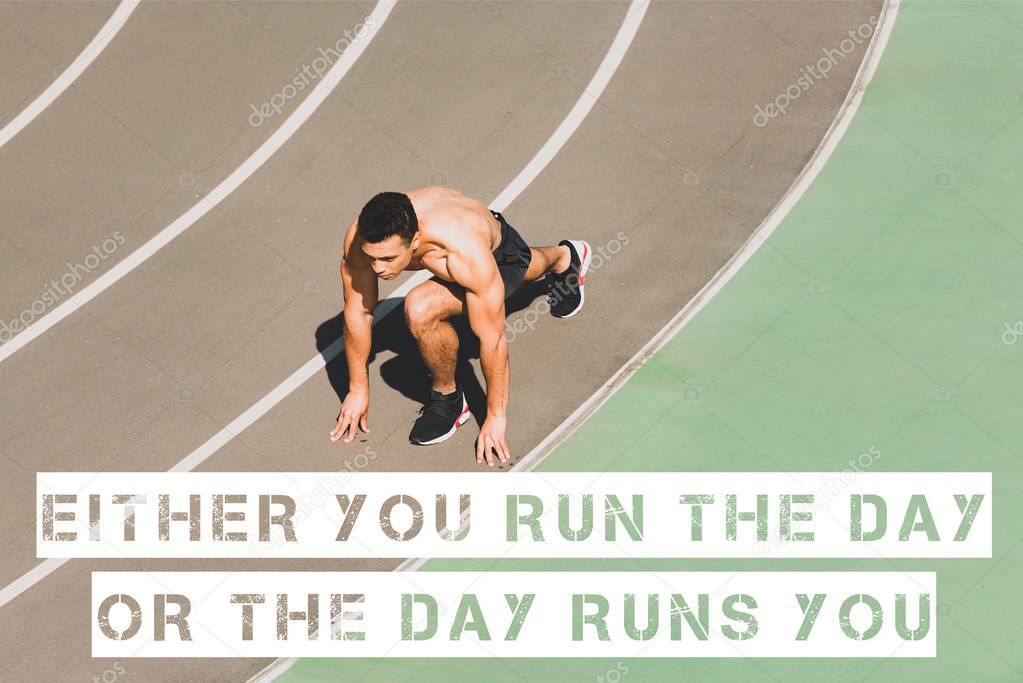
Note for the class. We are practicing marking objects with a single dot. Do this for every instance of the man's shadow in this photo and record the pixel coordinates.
(406, 371)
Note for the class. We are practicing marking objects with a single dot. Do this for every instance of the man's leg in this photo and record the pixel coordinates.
(547, 260)
(428, 308)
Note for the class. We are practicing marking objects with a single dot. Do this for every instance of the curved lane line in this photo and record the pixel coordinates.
(256, 160)
(99, 42)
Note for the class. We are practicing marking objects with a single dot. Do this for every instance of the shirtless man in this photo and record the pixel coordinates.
(478, 260)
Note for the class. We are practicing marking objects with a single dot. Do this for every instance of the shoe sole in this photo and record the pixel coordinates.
(586, 256)
(462, 418)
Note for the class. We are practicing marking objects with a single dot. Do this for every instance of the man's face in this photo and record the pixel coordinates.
(389, 257)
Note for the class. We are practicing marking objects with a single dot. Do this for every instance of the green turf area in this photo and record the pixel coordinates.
(873, 317)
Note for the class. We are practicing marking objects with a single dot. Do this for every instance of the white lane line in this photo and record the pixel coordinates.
(634, 16)
(218, 194)
(588, 98)
(99, 42)
(30, 578)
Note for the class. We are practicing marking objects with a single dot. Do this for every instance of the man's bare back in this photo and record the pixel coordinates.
(447, 216)
(478, 260)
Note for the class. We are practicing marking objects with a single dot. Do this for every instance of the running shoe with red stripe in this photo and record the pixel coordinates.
(439, 418)
(567, 293)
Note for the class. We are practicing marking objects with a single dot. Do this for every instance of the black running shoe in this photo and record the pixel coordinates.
(439, 418)
(567, 296)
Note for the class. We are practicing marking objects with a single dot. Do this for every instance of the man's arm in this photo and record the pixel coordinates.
(474, 268)
(360, 290)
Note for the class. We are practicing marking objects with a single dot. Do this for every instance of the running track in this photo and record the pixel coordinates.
(460, 94)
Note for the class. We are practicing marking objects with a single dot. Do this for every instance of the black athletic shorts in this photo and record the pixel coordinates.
(512, 256)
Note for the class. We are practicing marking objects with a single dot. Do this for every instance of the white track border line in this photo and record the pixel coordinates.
(252, 164)
(634, 16)
(828, 143)
(795, 192)
(99, 43)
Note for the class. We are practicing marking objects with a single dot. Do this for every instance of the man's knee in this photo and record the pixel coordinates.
(421, 308)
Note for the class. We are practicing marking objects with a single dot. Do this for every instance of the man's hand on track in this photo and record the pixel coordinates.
(352, 417)
(491, 438)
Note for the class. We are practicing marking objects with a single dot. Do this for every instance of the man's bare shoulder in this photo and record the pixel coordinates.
(421, 197)
(453, 226)
(451, 219)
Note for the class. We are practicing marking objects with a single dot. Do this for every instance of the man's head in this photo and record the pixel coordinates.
(390, 232)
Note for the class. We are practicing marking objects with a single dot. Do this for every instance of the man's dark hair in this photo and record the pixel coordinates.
(388, 213)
